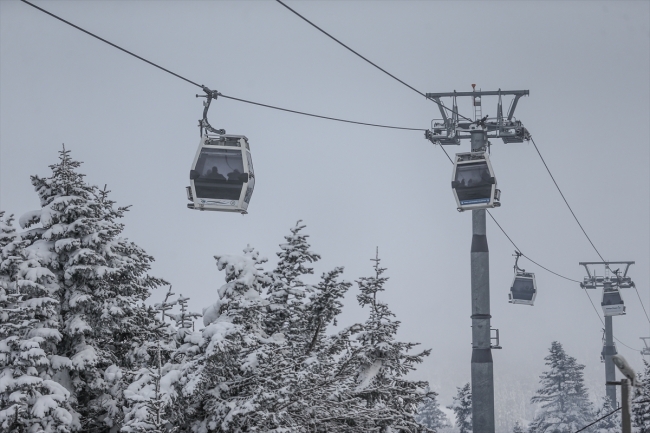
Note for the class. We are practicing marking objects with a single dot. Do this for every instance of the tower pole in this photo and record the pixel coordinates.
(609, 283)
(482, 366)
(608, 351)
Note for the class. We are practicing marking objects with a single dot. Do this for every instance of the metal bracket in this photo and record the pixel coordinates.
(592, 281)
(203, 123)
(496, 337)
(450, 130)
(646, 349)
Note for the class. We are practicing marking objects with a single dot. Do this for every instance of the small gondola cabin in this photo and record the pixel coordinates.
(222, 176)
(612, 303)
(523, 289)
(473, 182)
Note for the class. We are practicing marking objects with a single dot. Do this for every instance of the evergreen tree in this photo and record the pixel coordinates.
(30, 400)
(430, 415)
(565, 406)
(518, 428)
(287, 290)
(641, 401)
(611, 424)
(323, 307)
(149, 394)
(241, 373)
(102, 283)
(462, 407)
(383, 362)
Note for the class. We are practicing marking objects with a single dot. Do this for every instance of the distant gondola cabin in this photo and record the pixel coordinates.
(612, 303)
(523, 289)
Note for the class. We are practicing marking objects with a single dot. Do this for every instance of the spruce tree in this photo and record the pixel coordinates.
(287, 289)
(30, 400)
(518, 428)
(563, 397)
(238, 380)
(323, 307)
(610, 424)
(102, 283)
(641, 401)
(462, 407)
(383, 362)
(430, 415)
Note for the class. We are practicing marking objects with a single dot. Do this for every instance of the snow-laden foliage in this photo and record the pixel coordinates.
(29, 399)
(641, 401)
(430, 415)
(518, 428)
(610, 424)
(384, 362)
(81, 351)
(286, 288)
(252, 369)
(462, 407)
(99, 283)
(563, 397)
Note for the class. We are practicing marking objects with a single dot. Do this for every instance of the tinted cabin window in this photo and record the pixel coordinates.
(474, 184)
(220, 174)
(523, 289)
(612, 298)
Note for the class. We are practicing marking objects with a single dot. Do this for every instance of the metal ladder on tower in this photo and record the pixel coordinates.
(478, 109)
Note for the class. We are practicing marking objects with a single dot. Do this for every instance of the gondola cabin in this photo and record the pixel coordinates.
(523, 289)
(222, 176)
(473, 182)
(612, 303)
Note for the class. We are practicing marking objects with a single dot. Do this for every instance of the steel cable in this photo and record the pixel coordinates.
(199, 85)
(440, 104)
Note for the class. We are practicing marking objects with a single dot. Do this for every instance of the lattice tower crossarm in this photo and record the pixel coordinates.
(453, 127)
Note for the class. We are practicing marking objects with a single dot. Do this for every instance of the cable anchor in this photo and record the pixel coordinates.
(203, 123)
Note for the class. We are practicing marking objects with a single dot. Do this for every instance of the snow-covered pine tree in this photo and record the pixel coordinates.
(611, 424)
(287, 290)
(184, 318)
(518, 428)
(323, 306)
(462, 407)
(641, 401)
(102, 280)
(239, 380)
(150, 392)
(316, 381)
(565, 405)
(430, 415)
(383, 362)
(30, 400)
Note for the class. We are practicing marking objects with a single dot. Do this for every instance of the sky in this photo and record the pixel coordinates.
(357, 188)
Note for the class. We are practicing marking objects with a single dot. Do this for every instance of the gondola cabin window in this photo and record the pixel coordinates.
(219, 174)
(474, 183)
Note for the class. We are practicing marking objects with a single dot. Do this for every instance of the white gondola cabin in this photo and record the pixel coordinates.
(222, 176)
(473, 182)
(523, 289)
(612, 303)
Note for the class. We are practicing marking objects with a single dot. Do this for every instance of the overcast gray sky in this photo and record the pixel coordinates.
(586, 65)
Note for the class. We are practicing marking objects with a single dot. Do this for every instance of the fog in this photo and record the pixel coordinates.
(586, 65)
